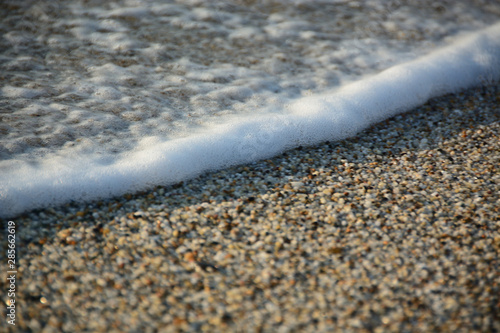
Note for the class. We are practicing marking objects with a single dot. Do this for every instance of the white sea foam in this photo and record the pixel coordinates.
(330, 115)
(100, 76)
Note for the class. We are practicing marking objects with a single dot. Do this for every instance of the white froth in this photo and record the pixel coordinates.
(17, 92)
(331, 115)
(139, 68)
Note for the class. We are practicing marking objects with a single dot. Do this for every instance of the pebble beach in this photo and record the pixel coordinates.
(394, 230)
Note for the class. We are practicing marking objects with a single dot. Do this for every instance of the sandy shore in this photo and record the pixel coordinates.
(394, 230)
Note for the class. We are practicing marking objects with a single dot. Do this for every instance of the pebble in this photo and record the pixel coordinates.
(394, 230)
(357, 235)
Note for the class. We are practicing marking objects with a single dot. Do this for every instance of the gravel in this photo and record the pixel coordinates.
(394, 230)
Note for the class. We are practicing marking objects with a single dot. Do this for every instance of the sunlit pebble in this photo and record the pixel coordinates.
(301, 237)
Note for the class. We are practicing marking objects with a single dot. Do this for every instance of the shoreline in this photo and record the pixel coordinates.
(79, 122)
(394, 229)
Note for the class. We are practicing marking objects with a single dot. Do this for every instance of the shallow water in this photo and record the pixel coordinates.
(83, 81)
(96, 76)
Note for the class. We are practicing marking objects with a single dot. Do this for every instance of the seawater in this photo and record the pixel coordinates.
(102, 98)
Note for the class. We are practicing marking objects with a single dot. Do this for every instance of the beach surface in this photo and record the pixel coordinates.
(394, 230)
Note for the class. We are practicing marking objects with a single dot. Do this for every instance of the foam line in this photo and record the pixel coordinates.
(305, 121)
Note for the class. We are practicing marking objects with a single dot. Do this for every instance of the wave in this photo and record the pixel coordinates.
(305, 121)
